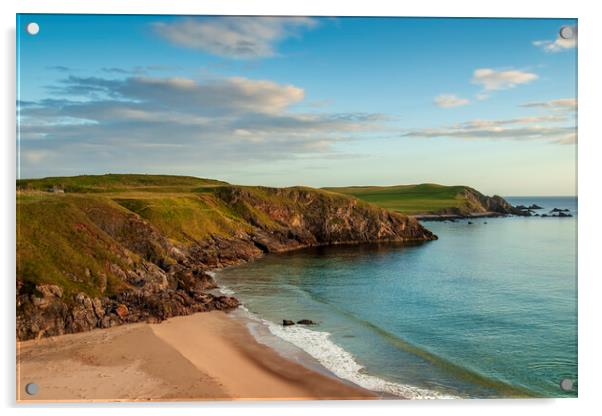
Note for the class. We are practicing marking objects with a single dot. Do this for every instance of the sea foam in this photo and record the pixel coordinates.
(224, 290)
(334, 358)
(342, 363)
(337, 360)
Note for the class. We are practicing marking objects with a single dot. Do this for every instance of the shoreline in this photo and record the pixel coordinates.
(453, 217)
(315, 344)
(203, 356)
(314, 349)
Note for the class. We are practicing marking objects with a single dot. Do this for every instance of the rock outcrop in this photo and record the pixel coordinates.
(477, 203)
(127, 268)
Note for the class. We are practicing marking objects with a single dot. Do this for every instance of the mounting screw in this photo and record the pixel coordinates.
(32, 28)
(31, 389)
(566, 384)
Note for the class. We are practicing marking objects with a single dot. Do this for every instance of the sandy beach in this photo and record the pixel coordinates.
(205, 356)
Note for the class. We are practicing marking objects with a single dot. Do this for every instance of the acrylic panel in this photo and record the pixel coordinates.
(303, 208)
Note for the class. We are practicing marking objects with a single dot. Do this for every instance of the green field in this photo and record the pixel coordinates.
(118, 183)
(409, 199)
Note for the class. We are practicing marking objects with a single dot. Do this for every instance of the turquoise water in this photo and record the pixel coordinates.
(488, 310)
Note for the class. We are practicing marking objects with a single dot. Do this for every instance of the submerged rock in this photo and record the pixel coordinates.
(306, 322)
(559, 213)
(287, 322)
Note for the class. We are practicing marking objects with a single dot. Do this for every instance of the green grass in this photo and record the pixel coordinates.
(185, 218)
(409, 199)
(57, 243)
(118, 183)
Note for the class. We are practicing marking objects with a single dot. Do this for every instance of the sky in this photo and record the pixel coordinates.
(284, 101)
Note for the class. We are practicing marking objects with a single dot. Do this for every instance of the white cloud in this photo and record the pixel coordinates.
(450, 101)
(522, 128)
(232, 94)
(562, 104)
(234, 36)
(492, 80)
(551, 118)
(235, 94)
(559, 44)
(36, 156)
(145, 124)
(570, 138)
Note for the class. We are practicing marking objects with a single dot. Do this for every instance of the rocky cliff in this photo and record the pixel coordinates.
(475, 202)
(91, 256)
(432, 200)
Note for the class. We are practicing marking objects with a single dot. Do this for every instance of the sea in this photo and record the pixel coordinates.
(489, 310)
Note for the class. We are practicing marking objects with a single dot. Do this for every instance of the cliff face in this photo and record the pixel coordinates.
(477, 203)
(285, 219)
(89, 260)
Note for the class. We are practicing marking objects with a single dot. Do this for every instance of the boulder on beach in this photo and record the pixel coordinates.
(287, 322)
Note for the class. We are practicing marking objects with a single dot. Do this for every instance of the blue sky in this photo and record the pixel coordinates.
(488, 103)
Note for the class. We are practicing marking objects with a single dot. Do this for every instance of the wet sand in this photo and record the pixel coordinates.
(205, 356)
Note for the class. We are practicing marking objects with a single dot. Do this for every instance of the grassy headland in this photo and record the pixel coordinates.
(97, 251)
(424, 198)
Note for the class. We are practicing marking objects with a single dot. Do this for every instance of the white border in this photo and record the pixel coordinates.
(589, 193)
(460, 8)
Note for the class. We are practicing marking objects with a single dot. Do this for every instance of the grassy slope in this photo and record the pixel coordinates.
(119, 183)
(53, 231)
(409, 199)
(59, 240)
(57, 237)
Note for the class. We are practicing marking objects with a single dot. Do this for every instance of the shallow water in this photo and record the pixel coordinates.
(488, 310)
